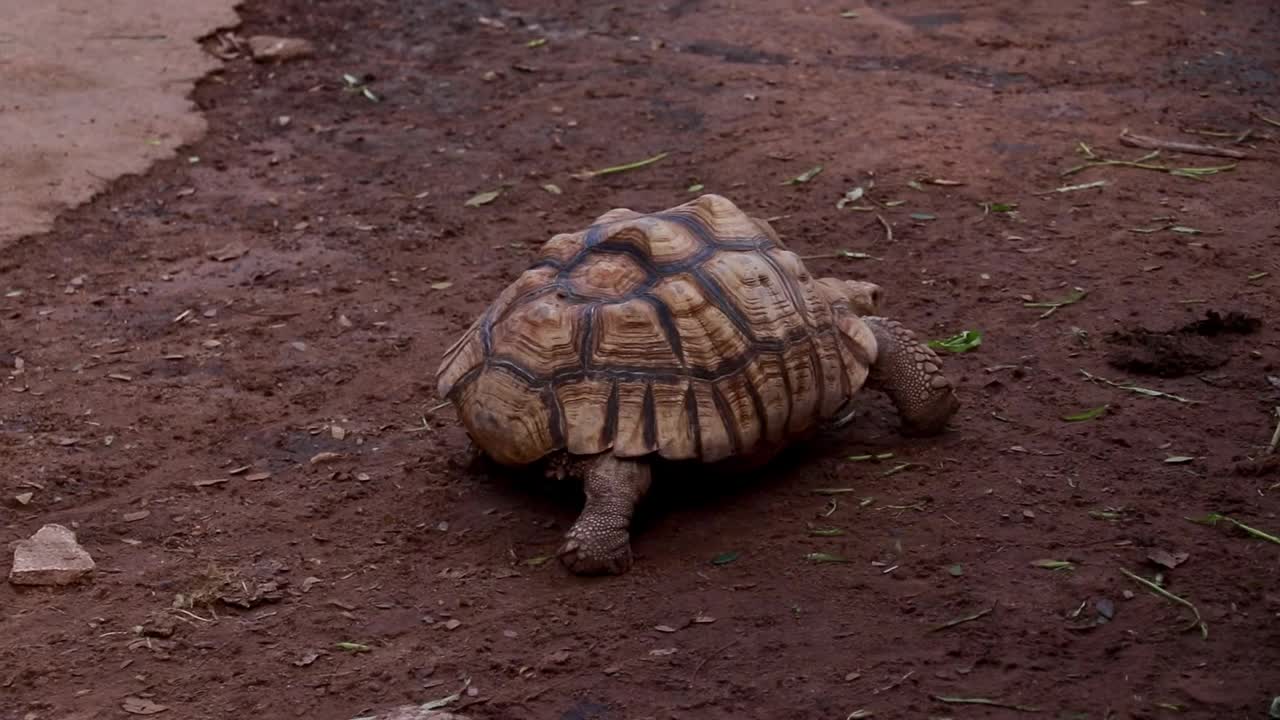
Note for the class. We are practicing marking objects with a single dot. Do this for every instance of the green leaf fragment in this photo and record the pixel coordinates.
(964, 341)
(897, 469)
(923, 216)
(864, 458)
(725, 558)
(825, 532)
(1053, 564)
(848, 14)
(587, 174)
(1075, 188)
(538, 42)
(955, 570)
(984, 701)
(1090, 414)
(1258, 276)
(354, 647)
(852, 196)
(805, 176)
(536, 561)
(1212, 520)
(552, 188)
(997, 207)
(914, 185)
(695, 188)
(1179, 459)
(818, 557)
(483, 198)
(1185, 230)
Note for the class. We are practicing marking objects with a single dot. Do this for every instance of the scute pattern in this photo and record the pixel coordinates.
(691, 333)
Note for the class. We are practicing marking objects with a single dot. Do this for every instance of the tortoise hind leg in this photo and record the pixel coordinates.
(911, 374)
(599, 542)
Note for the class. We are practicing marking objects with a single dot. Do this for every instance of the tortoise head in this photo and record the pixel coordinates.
(863, 298)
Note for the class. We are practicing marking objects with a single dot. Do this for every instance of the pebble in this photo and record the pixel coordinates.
(50, 557)
(268, 47)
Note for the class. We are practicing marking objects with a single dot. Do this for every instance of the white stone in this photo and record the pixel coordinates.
(50, 557)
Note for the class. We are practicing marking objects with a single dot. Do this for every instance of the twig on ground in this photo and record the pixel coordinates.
(1197, 622)
(888, 231)
(1150, 143)
(1140, 390)
(588, 174)
(1267, 120)
(965, 619)
(694, 675)
(984, 701)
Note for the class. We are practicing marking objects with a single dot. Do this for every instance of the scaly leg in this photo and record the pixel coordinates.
(911, 373)
(599, 542)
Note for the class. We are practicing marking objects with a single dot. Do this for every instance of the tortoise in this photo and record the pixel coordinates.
(691, 334)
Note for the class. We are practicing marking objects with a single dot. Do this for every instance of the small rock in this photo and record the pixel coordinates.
(159, 624)
(268, 47)
(453, 624)
(559, 657)
(50, 557)
(142, 706)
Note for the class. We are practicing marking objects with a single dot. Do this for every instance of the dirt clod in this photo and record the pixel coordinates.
(1192, 348)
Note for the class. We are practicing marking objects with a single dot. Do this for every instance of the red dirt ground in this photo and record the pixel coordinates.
(149, 367)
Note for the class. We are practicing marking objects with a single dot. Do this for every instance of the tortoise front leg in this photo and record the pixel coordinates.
(599, 542)
(911, 373)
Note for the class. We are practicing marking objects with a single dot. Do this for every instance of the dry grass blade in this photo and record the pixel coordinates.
(888, 231)
(1195, 623)
(1267, 120)
(967, 618)
(1150, 143)
(1077, 294)
(588, 174)
(1075, 188)
(1093, 160)
(1212, 519)
(1140, 390)
(1275, 436)
(984, 701)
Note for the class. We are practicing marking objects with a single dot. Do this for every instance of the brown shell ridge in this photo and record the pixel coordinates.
(667, 322)
(609, 431)
(694, 224)
(555, 415)
(650, 418)
(672, 375)
(587, 346)
(793, 290)
(761, 416)
(691, 412)
(786, 388)
(726, 418)
(715, 295)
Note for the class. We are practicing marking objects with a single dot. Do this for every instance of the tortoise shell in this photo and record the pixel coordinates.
(693, 333)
